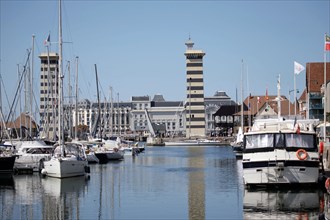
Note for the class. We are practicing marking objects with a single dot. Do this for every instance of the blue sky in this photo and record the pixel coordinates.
(139, 46)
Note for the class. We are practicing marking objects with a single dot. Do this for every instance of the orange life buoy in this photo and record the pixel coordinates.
(301, 154)
(327, 184)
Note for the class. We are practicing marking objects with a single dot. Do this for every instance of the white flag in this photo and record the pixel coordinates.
(298, 68)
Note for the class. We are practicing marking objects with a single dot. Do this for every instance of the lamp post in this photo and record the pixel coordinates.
(290, 91)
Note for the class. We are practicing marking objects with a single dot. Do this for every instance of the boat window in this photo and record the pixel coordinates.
(259, 141)
(300, 140)
(279, 140)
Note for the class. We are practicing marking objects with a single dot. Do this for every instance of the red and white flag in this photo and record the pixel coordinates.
(327, 43)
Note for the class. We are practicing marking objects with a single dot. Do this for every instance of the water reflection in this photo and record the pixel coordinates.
(6, 181)
(196, 194)
(283, 204)
(167, 183)
(61, 197)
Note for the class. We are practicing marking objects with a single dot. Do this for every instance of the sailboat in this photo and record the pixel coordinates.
(69, 160)
(238, 144)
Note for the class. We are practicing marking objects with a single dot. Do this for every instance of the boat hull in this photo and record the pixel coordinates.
(119, 155)
(7, 164)
(64, 167)
(102, 157)
(280, 170)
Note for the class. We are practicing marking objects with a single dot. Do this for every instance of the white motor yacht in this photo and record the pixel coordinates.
(32, 154)
(277, 152)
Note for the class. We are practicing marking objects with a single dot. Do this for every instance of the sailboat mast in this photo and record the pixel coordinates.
(111, 115)
(76, 105)
(70, 96)
(242, 118)
(20, 106)
(279, 96)
(99, 104)
(60, 77)
(31, 84)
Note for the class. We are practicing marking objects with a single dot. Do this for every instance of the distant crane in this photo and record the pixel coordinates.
(153, 139)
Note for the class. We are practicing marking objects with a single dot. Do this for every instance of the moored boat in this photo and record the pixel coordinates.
(7, 158)
(105, 154)
(197, 142)
(281, 152)
(238, 144)
(31, 155)
(69, 160)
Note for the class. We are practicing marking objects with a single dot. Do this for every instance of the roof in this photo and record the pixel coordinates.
(227, 110)
(254, 105)
(158, 98)
(24, 120)
(140, 98)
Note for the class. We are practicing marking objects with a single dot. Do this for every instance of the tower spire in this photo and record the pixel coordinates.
(189, 43)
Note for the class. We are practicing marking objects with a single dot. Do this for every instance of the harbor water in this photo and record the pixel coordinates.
(161, 183)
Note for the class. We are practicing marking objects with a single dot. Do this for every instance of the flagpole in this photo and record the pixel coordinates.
(308, 89)
(325, 90)
(294, 92)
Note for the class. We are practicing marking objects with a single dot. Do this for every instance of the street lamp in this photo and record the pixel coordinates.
(290, 91)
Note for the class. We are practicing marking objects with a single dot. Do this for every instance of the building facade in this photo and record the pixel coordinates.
(315, 89)
(171, 114)
(212, 105)
(113, 120)
(49, 94)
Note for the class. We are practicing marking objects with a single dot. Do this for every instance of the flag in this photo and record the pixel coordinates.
(327, 42)
(298, 68)
(47, 39)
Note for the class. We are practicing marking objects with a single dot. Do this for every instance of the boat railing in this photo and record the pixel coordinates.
(276, 125)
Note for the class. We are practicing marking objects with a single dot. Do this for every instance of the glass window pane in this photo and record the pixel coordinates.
(299, 140)
(259, 141)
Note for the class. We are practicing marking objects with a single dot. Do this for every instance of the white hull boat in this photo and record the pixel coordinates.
(115, 154)
(68, 161)
(32, 154)
(281, 153)
(65, 167)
